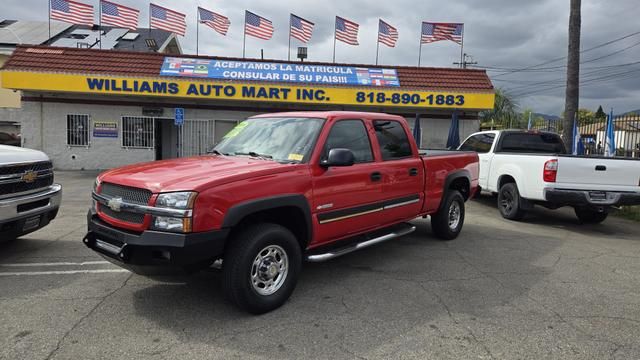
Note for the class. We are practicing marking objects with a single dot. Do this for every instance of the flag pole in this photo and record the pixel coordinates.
(289, 48)
(100, 23)
(149, 19)
(49, 15)
(198, 32)
(334, 40)
(462, 65)
(378, 43)
(244, 35)
(420, 44)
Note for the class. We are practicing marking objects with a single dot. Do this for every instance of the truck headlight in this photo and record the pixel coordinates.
(176, 200)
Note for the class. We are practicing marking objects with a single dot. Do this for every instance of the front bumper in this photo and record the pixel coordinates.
(586, 198)
(154, 252)
(23, 214)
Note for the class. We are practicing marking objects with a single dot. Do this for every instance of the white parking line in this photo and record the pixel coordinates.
(56, 264)
(68, 272)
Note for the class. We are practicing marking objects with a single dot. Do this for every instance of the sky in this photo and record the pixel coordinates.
(511, 39)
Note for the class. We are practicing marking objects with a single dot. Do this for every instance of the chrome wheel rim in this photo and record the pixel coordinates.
(454, 215)
(269, 270)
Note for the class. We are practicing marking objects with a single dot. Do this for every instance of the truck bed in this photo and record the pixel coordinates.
(438, 164)
(434, 153)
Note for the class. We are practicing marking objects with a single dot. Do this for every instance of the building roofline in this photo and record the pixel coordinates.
(193, 56)
(127, 63)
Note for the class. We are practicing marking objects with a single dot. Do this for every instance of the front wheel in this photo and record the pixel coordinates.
(591, 216)
(261, 267)
(447, 222)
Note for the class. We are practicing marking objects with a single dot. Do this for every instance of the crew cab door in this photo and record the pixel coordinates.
(482, 144)
(346, 198)
(404, 179)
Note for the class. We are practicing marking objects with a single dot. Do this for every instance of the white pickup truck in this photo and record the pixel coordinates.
(29, 199)
(527, 168)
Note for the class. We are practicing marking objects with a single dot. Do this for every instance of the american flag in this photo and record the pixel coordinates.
(166, 19)
(71, 12)
(301, 29)
(387, 34)
(432, 32)
(118, 15)
(257, 26)
(215, 21)
(346, 31)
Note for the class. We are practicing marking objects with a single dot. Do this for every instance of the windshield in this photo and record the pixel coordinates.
(280, 139)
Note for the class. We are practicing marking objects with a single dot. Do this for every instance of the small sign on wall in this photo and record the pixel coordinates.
(104, 129)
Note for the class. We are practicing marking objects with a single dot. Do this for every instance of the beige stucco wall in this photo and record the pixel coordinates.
(8, 98)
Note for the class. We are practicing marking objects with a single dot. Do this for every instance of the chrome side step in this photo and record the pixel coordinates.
(361, 245)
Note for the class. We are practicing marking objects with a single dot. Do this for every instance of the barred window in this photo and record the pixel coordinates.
(137, 132)
(77, 130)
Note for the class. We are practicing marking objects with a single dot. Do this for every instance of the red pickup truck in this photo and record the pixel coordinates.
(277, 190)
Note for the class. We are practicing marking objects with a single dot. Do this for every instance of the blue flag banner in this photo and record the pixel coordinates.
(577, 147)
(610, 137)
(453, 140)
(278, 72)
(417, 131)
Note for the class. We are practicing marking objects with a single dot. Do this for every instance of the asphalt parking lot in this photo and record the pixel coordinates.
(542, 288)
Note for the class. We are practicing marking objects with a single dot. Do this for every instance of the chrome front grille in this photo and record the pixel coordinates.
(29, 177)
(128, 194)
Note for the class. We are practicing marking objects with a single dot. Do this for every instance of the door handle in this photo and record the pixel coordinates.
(376, 176)
(413, 172)
(601, 168)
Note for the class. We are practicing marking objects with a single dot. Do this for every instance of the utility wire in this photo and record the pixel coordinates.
(584, 76)
(588, 82)
(564, 57)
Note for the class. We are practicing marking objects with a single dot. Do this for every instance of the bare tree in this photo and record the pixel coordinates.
(573, 73)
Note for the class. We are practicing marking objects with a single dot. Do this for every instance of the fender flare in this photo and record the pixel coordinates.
(453, 176)
(236, 213)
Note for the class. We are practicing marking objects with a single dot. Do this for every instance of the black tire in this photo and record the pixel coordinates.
(590, 216)
(509, 202)
(443, 223)
(238, 267)
(8, 239)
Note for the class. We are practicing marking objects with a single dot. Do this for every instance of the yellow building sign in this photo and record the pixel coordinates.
(220, 90)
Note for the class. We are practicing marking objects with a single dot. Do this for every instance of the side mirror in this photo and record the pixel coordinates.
(339, 157)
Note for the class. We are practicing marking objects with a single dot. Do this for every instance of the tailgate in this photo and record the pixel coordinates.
(599, 173)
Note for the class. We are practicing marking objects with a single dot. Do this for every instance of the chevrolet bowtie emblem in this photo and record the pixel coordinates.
(29, 176)
(115, 204)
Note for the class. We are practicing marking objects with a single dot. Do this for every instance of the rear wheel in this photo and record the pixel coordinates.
(591, 216)
(509, 202)
(8, 238)
(261, 267)
(447, 223)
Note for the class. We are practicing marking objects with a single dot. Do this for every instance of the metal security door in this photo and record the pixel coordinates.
(195, 137)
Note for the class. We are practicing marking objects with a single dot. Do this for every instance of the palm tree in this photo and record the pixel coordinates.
(504, 112)
(573, 74)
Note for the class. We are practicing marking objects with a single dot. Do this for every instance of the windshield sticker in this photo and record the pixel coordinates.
(295, 157)
(236, 130)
